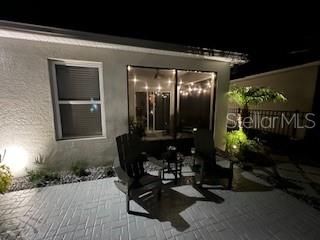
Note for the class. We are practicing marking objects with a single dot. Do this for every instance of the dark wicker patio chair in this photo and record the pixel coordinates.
(206, 153)
(133, 180)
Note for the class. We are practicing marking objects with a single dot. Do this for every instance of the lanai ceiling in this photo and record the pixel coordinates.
(164, 78)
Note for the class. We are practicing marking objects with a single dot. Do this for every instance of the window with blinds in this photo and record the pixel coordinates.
(77, 89)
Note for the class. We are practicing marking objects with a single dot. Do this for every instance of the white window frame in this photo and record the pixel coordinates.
(57, 102)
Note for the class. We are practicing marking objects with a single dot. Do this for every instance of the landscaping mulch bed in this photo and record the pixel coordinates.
(94, 173)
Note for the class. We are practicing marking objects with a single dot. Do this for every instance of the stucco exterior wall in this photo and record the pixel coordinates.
(26, 112)
(298, 85)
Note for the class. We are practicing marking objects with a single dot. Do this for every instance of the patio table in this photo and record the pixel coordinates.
(172, 161)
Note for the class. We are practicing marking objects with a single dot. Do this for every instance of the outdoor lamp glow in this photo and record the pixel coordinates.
(16, 159)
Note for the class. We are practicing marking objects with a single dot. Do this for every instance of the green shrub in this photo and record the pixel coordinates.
(5, 175)
(254, 152)
(42, 173)
(5, 178)
(34, 175)
(38, 176)
(79, 168)
(234, 140)
(246, 150)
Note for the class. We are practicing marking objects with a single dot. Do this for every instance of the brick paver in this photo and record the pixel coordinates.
(96, 210)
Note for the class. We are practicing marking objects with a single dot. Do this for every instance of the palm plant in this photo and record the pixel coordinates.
(252, 96)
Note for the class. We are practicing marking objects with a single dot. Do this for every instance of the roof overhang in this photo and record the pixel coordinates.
(72, 37)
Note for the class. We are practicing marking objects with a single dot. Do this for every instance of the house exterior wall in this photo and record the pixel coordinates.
(27, 128)
(298, 85)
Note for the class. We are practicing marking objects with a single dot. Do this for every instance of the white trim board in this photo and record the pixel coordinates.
(316, 63)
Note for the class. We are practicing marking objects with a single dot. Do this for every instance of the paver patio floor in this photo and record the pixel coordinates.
(96, 210)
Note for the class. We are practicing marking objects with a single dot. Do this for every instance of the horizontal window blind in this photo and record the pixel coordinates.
(77, 83)
(80, 120)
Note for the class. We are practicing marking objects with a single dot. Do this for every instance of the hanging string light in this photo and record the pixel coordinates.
(197, 88)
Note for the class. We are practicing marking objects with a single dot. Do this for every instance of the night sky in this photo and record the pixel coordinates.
(272, 39)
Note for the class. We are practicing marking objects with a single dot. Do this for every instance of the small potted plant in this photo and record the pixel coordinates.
(136, 128)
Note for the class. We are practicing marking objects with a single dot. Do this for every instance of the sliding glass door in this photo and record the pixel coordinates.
(195, 100)
(169, 102)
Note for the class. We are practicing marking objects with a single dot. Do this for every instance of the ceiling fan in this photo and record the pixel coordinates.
(161, 74)
(156, 75)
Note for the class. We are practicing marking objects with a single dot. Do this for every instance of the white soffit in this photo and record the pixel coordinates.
(5, 33)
